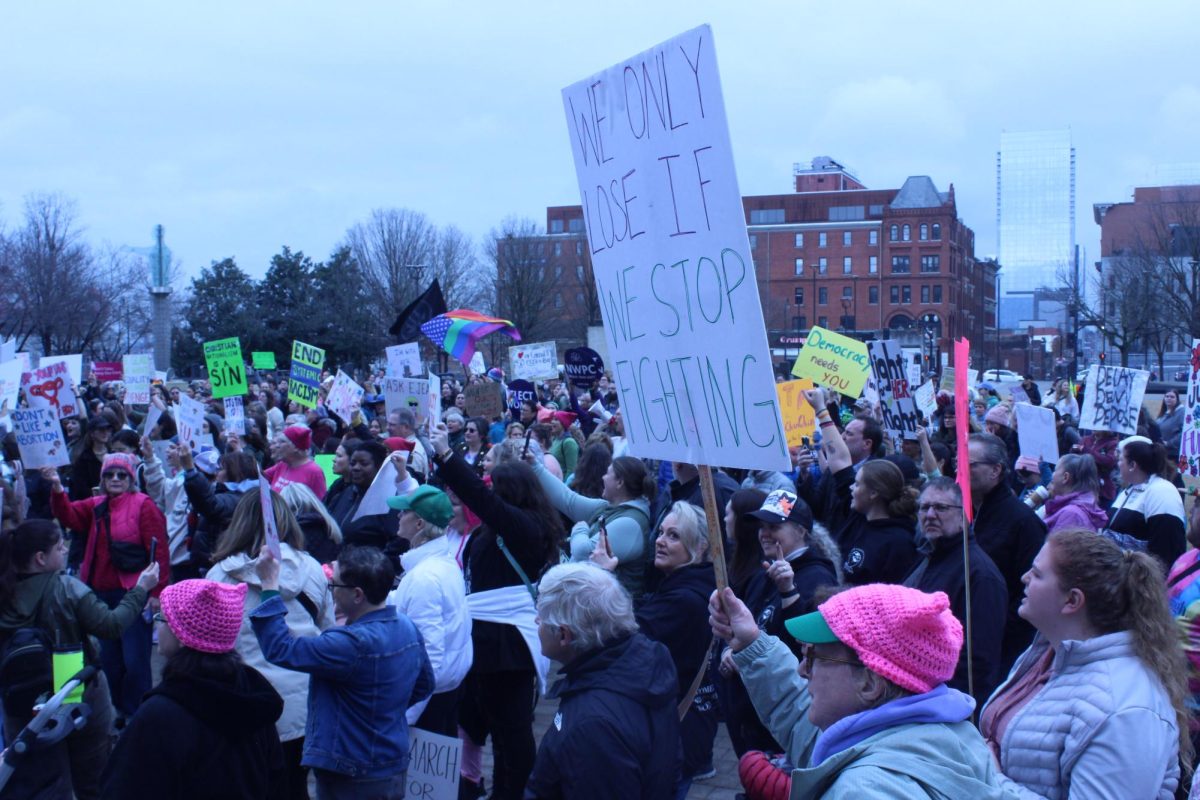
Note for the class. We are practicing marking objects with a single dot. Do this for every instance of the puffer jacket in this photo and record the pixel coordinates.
(298, 572)
(133, 518)
(1075, 510)
(1101, 727)
(771, 675)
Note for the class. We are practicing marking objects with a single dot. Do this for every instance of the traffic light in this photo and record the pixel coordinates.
(1102, 357)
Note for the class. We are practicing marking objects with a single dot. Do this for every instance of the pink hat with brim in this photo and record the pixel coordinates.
(905, 635)
(205, 615)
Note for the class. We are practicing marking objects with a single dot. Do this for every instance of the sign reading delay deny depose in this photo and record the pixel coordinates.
(675, 278)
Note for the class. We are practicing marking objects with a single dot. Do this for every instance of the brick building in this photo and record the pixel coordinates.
(838, 255)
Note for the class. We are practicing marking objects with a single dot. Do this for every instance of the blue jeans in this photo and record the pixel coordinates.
(126, 661)
(332, 786)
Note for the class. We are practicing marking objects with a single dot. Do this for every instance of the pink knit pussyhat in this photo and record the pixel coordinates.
(205, 615)
(906, 635)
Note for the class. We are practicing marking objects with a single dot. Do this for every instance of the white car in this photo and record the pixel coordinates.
(1001, 376)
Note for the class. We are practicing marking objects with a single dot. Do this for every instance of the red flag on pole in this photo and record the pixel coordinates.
(962, 350)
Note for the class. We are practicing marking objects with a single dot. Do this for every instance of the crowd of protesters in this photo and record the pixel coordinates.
(877, 639)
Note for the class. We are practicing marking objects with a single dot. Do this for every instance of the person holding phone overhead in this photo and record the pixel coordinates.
(121, 524)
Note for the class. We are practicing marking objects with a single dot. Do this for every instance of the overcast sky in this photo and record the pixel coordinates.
(245, 126)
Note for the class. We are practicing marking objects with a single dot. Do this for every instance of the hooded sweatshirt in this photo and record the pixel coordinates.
(1075, 510)
(298, 572)
(616, 730)
(196, 737)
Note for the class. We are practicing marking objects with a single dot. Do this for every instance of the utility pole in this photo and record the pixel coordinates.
(160, 300)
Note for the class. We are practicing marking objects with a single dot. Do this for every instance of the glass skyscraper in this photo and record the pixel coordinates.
(1035, 217)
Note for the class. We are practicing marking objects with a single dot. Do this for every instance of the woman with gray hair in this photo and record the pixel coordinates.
(1073, 491)
(676, 614)
(617, 725)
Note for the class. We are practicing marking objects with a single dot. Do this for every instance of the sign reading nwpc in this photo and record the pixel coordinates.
(687, 344)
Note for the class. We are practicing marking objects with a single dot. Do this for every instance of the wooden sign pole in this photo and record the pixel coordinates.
(716, 542)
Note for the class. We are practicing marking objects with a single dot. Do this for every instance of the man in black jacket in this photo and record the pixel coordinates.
(940, 514)
(1007, 530)
(686, 487)
(616, 732)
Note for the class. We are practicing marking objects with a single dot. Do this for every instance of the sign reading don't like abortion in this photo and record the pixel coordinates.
(675, 278)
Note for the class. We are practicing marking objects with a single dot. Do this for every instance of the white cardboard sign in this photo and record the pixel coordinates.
(10, 383)
(926, 399)
(1189, 443)
(344, 396)
(537, 361)
(1035, 432)
(139, 369)
(49, 386)
(40, 438)
(666, 226)
(189, 420)
(433, 765)
(375, 499)
(404, 360)
(407, 393)
(1112, 399)
(235, 415)
(74, 366)
(891, 376)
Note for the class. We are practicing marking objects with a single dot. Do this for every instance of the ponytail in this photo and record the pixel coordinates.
(18, 547)
(1125, 591)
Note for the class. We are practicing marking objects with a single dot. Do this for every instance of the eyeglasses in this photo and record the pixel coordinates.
(333, 585)
(937, 508)
(810, 655)
(118, 474)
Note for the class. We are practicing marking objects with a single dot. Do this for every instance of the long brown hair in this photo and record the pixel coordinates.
(1125, 591)
(245, 533)
(886, 480)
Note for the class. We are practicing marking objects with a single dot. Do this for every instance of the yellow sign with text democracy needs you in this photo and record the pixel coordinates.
(834, 361)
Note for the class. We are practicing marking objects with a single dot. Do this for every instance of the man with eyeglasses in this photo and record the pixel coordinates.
(940, 521)
(873, 683)
(1007, 530)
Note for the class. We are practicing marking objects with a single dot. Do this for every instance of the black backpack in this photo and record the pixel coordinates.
(26, 668)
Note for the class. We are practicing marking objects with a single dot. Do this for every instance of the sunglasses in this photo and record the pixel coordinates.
(118, 474)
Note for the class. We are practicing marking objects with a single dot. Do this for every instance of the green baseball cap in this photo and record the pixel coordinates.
(428, 503)
(811, 629)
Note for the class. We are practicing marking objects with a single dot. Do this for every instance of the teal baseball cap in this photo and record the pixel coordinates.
(428, 503)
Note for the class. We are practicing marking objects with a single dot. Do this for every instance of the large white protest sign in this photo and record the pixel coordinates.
(671, 258)
(10, 384)
(404, 360)
(8, 350)
(375, 499)
(1189, 442)
(40, 438)
(433, 400)
(891, 376)
(139, 370)
(49, 386)
(235, 415)
(412, 393)
(74, 366)
(537, 361)
(345, 396)
(926, 399)
(189, 420)
(1112, 399)
(433, 765)
(1036, 432)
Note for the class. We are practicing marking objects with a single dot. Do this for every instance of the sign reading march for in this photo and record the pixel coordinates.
(305, 376)
(674, 274)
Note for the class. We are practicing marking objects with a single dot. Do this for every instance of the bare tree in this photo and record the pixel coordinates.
(1165, 248)
(395, 249)
(1119, 303)
(522, 292)
(455, 263)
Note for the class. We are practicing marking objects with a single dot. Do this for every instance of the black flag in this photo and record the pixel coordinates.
(407, 327)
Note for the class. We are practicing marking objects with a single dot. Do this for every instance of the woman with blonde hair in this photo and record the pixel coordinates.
(322, 534)
(1096, 706)
(303, 589)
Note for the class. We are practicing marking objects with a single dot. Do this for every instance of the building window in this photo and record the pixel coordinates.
(575, 225)
(579, 298)
(822, 239)
(799, 266)
(558, 272)
(937, 232)
(906, 295)
(847, 239)
(873, 295)
(753, 241)
(823, 322)
(799, 295)
(937, 293)
(823, 296)
(558, 248)
(894, 294)
(873, 237)
(766, 216)
(800, 322)
(906, 233)
(556, 226)
(579, 248)
(822, 265)
(874, 264)
(847, 265)
(558, 301)
(900, 264)
(924, 232)
(931, 263)
(799, 240)
(847, 292)
(894, 233)
(925, 295)
(579, 271)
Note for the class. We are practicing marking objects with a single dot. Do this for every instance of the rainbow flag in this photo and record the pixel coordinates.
(457, 331)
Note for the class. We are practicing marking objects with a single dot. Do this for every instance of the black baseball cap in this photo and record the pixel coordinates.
(784, 506)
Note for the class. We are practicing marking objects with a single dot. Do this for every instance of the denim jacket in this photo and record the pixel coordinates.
(363, 677)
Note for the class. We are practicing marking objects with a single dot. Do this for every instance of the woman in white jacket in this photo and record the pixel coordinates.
(433, 594)
(1095, 707)
(303, 588)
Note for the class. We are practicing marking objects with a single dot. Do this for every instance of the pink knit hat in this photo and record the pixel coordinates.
(205, 615)
(999, 415)
(119, 461)
(299, 436)
(906, 635)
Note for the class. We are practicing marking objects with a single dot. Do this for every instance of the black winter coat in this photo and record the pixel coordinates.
(873, 551)
(316, 537)
(810, 571)
(1011, 534)
(941, 570)
(214, 504)
(616, 733)
(200, 738)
